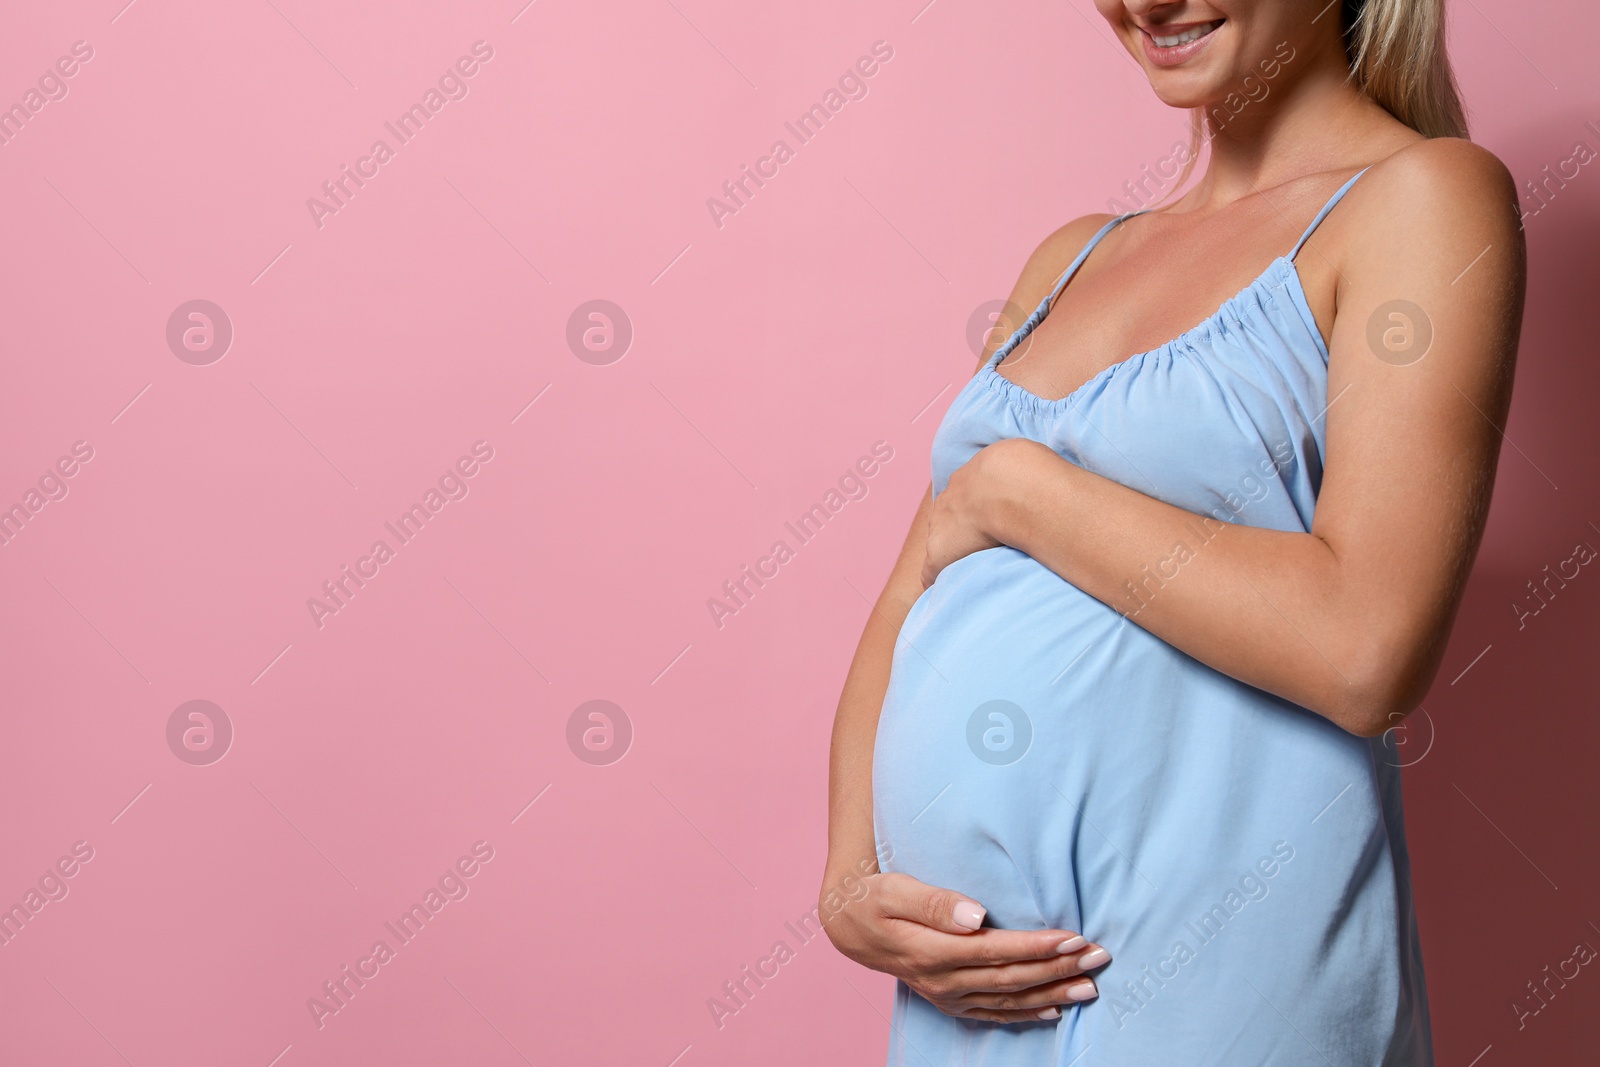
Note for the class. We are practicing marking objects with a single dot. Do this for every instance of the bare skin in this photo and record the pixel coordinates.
(1349, 620)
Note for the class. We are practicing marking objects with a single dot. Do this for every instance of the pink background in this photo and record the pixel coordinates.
(769, 355)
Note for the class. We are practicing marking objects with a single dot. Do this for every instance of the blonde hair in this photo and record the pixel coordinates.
(1396, 51)
(1397, 57)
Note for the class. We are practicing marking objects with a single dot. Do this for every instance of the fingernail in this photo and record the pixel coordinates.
(1050, 1013)
(1071, 945)
(1085, 991)
(968, 915)
(1094, 958)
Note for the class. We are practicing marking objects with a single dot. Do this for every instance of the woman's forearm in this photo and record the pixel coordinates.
(855, 726)
(851, 846)
(1278, 610)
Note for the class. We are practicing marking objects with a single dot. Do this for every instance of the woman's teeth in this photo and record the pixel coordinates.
(1186, 36)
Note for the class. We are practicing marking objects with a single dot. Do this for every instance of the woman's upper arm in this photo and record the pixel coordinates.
(1429, 307)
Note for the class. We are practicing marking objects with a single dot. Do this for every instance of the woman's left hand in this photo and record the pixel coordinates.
(973, 511)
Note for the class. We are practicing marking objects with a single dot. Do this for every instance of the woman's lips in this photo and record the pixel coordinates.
(1172, 55)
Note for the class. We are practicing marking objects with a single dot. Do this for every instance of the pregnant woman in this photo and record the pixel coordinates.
(1113, 758)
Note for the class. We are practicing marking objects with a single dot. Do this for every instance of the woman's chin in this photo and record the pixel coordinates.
(1189, 88)
(1184, 100)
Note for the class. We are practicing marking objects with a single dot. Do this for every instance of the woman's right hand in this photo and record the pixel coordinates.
(933, 940)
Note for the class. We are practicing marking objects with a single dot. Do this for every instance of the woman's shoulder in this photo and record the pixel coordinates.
(1044, 267)
(1454, 169)
(1439, 184)
(1424, 203)
(1052, 256)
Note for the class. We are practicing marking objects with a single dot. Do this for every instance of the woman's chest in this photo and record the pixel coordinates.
(1133, 300)
(1202, 423)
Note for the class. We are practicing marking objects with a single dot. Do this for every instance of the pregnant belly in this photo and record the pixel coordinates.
(1058, 763)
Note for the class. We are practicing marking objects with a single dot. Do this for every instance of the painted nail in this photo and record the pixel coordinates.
(968, 915)
(1050, 1013)
(1094, 958)
(1085, 991)
(1072, 945)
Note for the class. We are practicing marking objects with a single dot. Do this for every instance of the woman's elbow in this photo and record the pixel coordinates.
(1374, 718)
(1377, 695)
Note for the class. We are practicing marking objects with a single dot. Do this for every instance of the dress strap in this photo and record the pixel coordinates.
(1332, 200)
(1027, 325)
(1083, 255)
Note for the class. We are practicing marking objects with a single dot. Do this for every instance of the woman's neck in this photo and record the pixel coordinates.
(1310, 121)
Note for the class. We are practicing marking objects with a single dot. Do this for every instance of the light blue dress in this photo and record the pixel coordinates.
(1242, 858)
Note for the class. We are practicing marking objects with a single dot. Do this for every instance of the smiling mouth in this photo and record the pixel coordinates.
(1184, 36)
